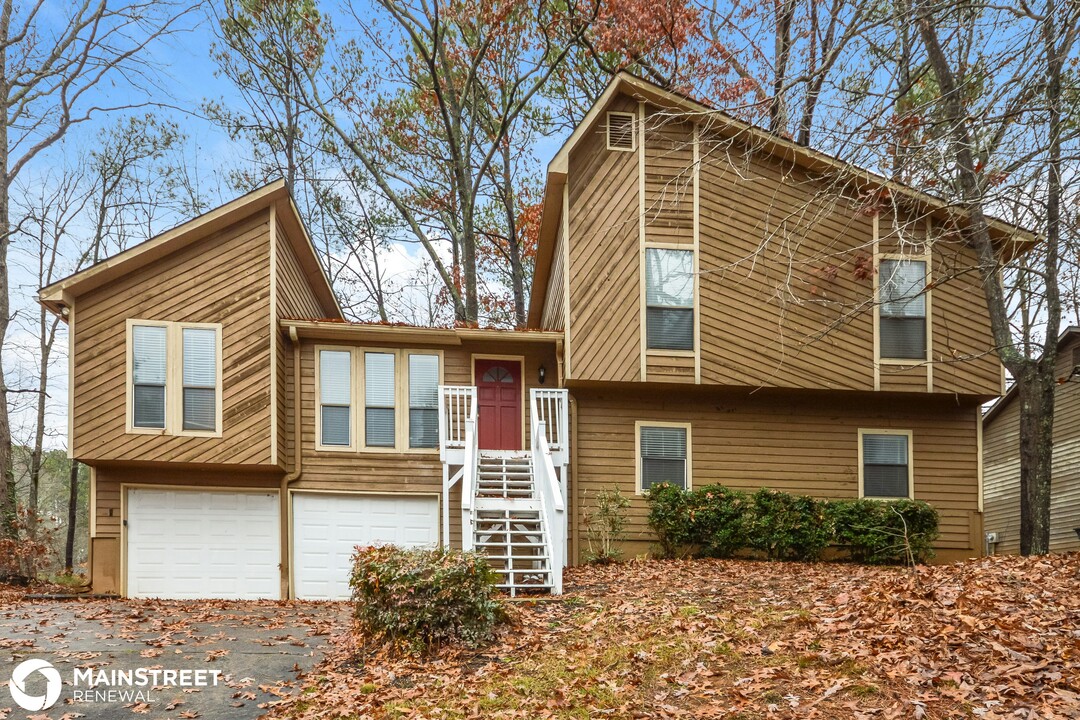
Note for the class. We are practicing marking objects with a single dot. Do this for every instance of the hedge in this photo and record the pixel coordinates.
(719, 522)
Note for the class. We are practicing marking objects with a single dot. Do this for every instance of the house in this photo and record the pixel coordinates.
(1001, 458)
(711, 304)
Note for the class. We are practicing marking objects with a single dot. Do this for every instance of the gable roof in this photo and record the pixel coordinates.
(1013, 240)
(60, 294)
(1067, 335)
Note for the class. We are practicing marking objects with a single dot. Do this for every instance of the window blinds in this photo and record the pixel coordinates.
(335, 396)
(148, 368)
(663, 456)
(379, 399)
(885, 466)
(902, 315)
(200, 379)
(423, 401)
(669, 299)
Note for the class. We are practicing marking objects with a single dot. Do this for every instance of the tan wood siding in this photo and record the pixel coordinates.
(603, 272)
(295, 300)
(785, 296)
(553, 317)
(670, 368)
(223, 279)
(806, 445)
(1001, 467)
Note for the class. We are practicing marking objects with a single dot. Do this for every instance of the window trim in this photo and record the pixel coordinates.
(351, 447)
(633, 131)
(910, 463)
(174, 379)
(695, 307)
(638, 425)
(925, 257)
(358, 403)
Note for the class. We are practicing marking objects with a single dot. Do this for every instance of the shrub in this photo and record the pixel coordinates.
(671, 519)
(425, 597)
(718, 520)
(883, 532)
(788, 527)
(606, 526)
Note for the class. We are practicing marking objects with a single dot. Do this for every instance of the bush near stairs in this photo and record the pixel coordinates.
(424, 598)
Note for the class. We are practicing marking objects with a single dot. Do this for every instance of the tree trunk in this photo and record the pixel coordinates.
(73, 512)
(1036, 457)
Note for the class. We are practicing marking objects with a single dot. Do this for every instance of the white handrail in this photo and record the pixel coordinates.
(457, 403)
(552, 505)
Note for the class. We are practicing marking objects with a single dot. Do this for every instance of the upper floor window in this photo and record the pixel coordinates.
(663, 455)
(621, 134)
(398, 406)
(174, 377)
(669, 299)
(335, 398)
(885, 468)
(902, 309)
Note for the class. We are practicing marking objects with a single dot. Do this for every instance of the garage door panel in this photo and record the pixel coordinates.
(327, 527)
(202, 544)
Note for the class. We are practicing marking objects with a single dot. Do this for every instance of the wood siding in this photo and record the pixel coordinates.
(1001, 458)
(223, 279)
(806, 444)
(786, 299)
(294, 299)
(554, 301)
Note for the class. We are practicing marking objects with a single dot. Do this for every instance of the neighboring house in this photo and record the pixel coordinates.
(705, 310)
(1001, 457)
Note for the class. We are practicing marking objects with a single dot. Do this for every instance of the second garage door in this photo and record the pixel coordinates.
(326, 528)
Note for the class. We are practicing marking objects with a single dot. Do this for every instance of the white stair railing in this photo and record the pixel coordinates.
(458, 446)
(549, 413)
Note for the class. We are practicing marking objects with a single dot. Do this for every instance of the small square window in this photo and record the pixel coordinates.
(664, 456)
(886, 465)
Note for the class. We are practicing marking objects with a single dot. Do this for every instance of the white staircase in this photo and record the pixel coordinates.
(513, 503)
(508, 522)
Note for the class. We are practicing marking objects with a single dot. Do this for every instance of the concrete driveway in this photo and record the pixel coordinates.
(155, 659)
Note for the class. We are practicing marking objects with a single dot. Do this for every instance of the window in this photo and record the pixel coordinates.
(669, 299)
(663, 455)
(335, 398)
(902, 309)
(174, 378)
(885, 458)
(620, 131)
(149, 351)
(379, 392)
(200, 379)
(423, 401)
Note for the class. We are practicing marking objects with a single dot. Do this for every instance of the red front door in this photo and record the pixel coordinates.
(498, 387)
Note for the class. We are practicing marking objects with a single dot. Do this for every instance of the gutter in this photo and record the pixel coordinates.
(294, 474)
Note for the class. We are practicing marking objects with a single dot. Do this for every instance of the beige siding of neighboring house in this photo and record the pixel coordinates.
(784, 298)
(806, 444)
(1001, 452)
(222, 279)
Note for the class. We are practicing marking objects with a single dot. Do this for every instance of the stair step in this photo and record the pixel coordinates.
(507, 505)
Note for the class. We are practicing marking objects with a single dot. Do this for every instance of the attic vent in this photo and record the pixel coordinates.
(620, 131)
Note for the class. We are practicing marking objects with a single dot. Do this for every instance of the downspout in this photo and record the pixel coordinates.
(297, 469)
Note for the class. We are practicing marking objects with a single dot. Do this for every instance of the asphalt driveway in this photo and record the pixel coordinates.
(199, 659)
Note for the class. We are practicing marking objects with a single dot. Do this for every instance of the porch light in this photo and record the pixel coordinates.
(543, 374)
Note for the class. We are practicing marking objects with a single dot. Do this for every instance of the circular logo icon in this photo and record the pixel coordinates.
(17, 685)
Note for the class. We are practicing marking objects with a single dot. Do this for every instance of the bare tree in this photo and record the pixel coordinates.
(54, 76)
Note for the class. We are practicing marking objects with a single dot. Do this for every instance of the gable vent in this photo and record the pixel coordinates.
(620, 131)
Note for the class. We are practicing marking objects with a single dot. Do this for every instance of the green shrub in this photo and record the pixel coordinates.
(718, 520)
(424, 598)
(788, 527)
(883, 532)
(671, 519)
(605, 526)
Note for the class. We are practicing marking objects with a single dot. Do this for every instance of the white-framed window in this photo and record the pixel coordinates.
(669, 299)
(621, 131)
(377, 399)
(885, 464)
(902, 305)
(663, 454)
(174, 378)
(335, 392)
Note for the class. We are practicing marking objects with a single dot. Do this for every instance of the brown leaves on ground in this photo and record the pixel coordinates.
(991, 638)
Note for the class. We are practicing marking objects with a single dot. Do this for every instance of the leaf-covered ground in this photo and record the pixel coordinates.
(991, 638)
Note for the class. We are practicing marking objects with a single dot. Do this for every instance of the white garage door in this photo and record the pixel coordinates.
(327, 527)
(203, 544)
